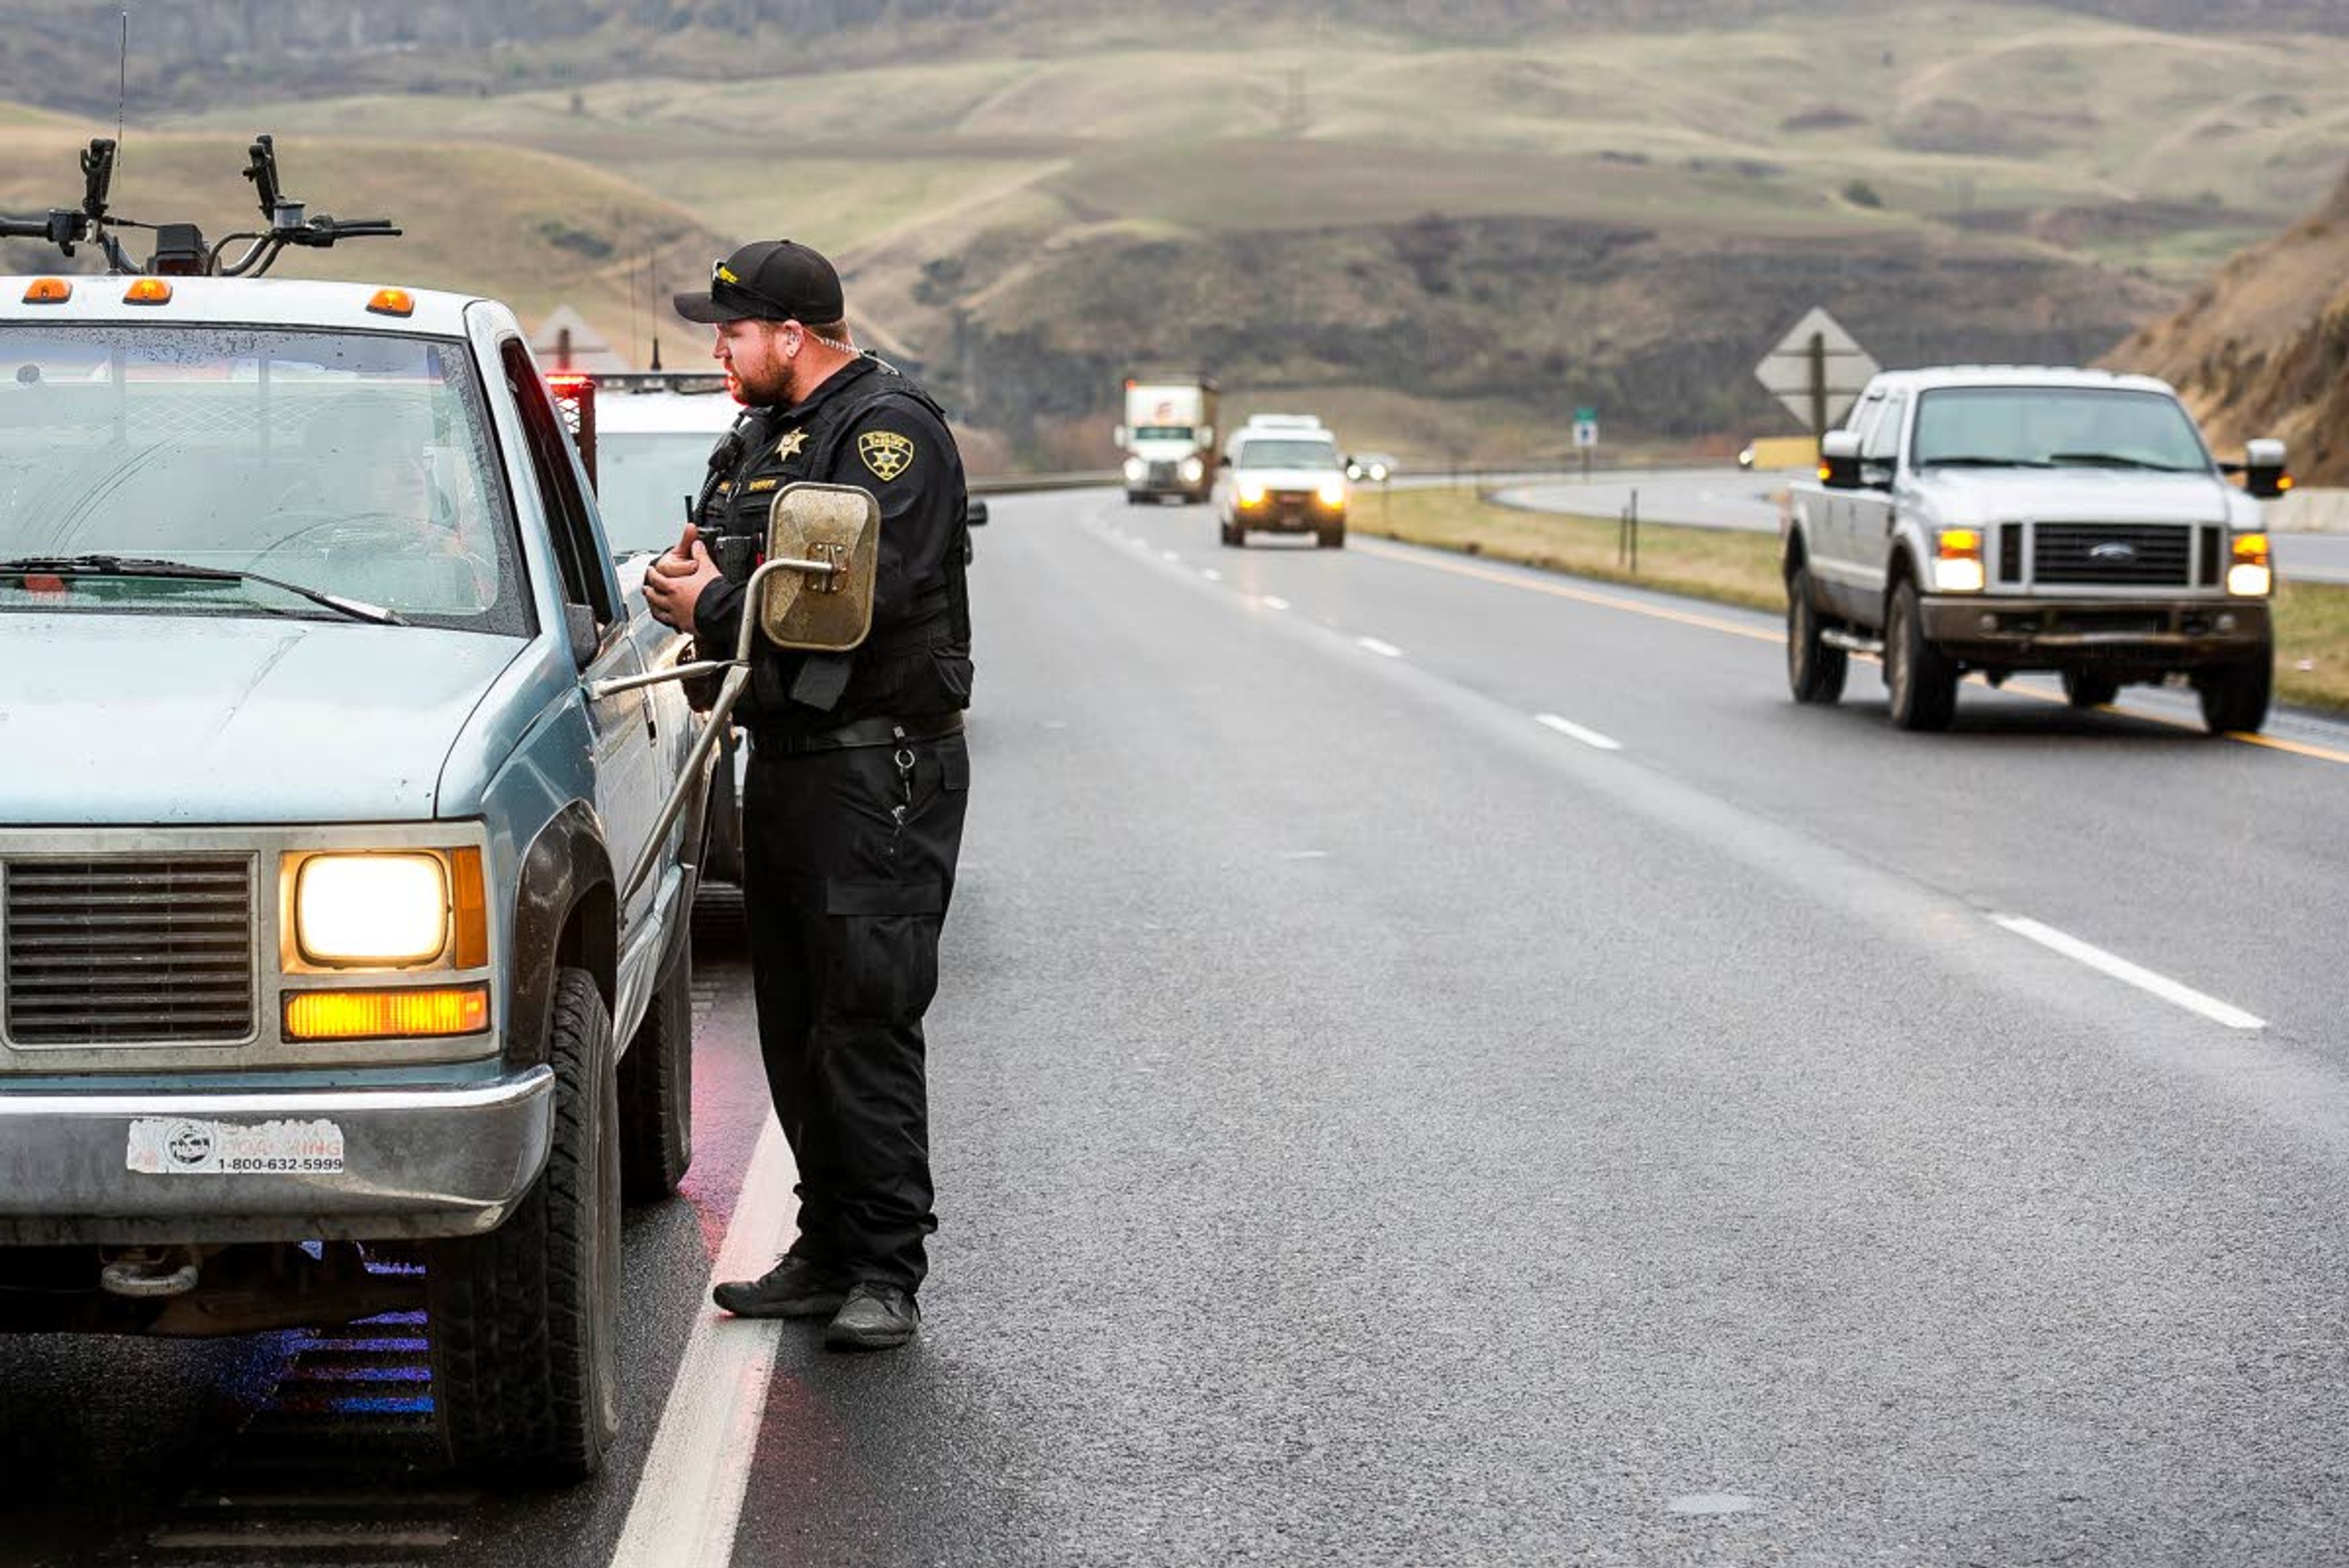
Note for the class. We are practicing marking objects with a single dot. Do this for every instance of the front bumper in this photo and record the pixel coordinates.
(1273, 518)
(415, 1163)
(2018, 633)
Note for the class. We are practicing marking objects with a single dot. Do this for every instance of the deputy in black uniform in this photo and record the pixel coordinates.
(858, 777)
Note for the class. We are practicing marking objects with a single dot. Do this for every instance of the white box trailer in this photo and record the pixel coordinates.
(1169, 436)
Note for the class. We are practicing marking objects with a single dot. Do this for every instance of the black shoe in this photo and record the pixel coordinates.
(794, 1287)
(874, 1317)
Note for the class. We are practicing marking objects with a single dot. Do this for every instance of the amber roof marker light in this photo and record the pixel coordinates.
(48, 291)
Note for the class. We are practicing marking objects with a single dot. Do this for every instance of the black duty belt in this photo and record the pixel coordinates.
(862, 733)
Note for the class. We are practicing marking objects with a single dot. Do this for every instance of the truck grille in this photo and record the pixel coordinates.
(2113, 555)
(128, 948)
(1161, 474)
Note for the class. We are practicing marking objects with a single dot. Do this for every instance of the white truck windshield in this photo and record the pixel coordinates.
(645, 482)
(2056, 427)
(1287, 454)
(354, 464)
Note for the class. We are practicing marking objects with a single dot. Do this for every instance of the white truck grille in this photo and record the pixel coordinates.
(2113, 555)
(122, 950)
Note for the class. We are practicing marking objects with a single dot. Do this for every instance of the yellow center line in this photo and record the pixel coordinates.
(1778, 639)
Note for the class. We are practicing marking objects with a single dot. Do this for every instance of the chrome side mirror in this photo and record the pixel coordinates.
(1840, 459)
(815, 589)
(2265, 474)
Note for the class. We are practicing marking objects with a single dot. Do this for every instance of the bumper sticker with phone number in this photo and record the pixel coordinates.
(179, 1145)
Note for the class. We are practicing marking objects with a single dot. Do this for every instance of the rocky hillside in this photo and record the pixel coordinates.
(2262, 349)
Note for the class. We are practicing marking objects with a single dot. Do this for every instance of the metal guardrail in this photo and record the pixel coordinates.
(1436, 477)
(1018, 483)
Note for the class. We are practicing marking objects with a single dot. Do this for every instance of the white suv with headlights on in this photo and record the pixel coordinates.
(1282, 477)
(2001, 519)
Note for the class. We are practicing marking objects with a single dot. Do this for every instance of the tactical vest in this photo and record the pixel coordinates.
(734, 507)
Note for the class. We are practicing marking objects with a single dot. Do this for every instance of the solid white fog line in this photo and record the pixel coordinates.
(688, 1499)
(1568, 728)
(1384, 649)
(1271, 601)
(2120, 969)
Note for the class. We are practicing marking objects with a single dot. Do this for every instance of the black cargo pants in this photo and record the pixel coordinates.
(848, 866)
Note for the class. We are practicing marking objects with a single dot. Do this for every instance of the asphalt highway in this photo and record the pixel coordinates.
(1444, 1065)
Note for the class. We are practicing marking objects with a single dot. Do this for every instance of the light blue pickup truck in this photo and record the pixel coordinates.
(324, 767)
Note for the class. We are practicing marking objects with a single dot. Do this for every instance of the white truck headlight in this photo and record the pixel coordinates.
(1957, 562)
(1137, 471)
(2249, 573)
(1193, 471)
(1332, 492)
(391, 909)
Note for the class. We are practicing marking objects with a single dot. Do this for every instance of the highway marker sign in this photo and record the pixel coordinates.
(1816, 370)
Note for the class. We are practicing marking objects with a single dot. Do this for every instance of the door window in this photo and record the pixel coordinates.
(585, 580)
(1881, 444)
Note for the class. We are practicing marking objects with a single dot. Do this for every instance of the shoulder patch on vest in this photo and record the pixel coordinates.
(886, 453)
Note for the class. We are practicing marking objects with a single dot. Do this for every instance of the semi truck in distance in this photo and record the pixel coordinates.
(1169, 436)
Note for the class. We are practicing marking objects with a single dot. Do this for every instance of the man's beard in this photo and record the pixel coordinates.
(773, 391)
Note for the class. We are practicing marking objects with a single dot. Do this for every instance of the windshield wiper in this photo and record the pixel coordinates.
(1981, 462)
(2115, 460)
(135, 566)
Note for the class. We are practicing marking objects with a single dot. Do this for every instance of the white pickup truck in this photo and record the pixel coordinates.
(2003, 519)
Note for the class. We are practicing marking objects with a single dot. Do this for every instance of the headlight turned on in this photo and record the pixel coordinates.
(1251, 494)
(1137, 471)
(387, 910)
(1332, 492)
(1958, 566)
(1192, 469)
(2248, 574)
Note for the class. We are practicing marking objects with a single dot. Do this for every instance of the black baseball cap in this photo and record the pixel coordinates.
(767, 280)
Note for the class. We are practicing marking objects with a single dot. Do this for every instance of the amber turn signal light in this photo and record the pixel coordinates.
(386, 1014)
(48, 291)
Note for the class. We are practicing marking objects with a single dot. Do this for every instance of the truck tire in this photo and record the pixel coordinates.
(2235, 695)
(1233, 535)
(524, 1322)
(1815, 671)
(2088, 689)
(1330, 538)
(1922, 682)
(657, 1088)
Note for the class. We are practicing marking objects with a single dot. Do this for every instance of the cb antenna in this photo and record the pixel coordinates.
(122, 80)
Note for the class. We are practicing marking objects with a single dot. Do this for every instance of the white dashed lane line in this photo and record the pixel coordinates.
(1273, 602)
(1384, 649)
(1573, 731)
(1212, 575)
(2120, 969)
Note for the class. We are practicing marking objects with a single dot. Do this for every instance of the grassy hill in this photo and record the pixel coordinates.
(1461, 238)
(529, 227)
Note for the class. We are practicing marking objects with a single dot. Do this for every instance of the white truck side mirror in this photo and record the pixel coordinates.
(1840, 459)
